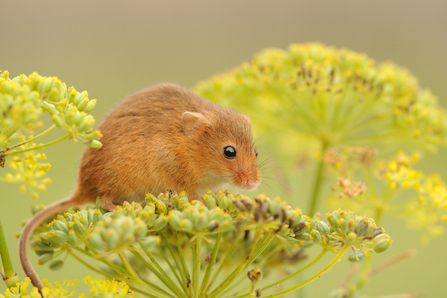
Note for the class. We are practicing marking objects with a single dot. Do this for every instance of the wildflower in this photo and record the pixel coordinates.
(169, 225)
(23, 100)
(336, 96)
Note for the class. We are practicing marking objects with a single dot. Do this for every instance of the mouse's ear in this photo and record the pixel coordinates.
(194, 122)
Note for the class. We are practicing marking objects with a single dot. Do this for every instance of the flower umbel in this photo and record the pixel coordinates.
(167, 229)
(22, 101)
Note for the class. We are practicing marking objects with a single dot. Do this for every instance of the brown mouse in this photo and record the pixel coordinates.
(163, 137)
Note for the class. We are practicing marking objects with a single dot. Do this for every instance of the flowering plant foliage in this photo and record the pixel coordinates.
(332, 100)
(23, 100)
(168, 228)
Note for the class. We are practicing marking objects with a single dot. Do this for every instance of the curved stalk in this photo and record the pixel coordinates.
(317, 258)
(210, 266)
(317, 182)
(39, 147)
(317, 275)
(35, 138)
(9, 276)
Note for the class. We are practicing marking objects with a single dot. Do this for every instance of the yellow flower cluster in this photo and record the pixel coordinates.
(99, 288)
(22, 101)
(28, 171)
(316, 94)
(393, 186)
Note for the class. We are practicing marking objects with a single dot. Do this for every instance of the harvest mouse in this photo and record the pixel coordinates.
(163, 137)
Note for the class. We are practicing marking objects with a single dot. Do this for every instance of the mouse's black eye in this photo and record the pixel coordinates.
(229, 152)
(256, 152)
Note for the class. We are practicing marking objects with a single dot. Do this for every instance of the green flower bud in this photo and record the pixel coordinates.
(58, 120)
(201, 221)
(210, 201)
(56, 265)
(351, 238)
(323, 227)
(97, 216)
(79, 229)
(317, 237)
(357, 257)
(111, 237)
(160, 223)
(332, 221)
(94, 144)
(90, 106)
(60, 236)
(95, 240)
(383, 245)
(186, 225)
(61, 225)
(150, 242)
(79, 98)
(46, 257)
(83, 104)
(343, 225)
(72, 238)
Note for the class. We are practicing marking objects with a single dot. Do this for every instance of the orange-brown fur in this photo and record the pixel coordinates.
(150, 145)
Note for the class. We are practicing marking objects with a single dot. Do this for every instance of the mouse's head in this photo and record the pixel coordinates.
(223, 146)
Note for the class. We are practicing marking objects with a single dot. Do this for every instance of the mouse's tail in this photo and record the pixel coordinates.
(28, 230)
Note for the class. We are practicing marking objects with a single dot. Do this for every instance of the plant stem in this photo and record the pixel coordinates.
(10, 277)
(317, 182)
(107, 275)
(161, 274)
(196, 266)
(253, 253)
(181, 280)
(317, 258)
(35, 138)
(39, 147)
(140, 281)
(317, 275)
(182, 259)
(210, 266)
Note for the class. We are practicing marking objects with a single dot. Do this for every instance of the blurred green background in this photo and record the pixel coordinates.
(113, 48)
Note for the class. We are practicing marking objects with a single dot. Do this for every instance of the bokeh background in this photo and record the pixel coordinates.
(113, 48)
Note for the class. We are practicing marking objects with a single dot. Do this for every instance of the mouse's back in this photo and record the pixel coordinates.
(167, 137)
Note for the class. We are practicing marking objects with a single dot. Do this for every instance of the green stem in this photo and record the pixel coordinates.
(317, 275)
(317, 258)
(196, 268)
(368, 262)
(9, 275)
(101, 259)
(210, 266)
(160, 273)
(39, 147)
(250, 258)
(105, 274)
(140, 281)
(216, 274)
(35, 138)
(181, 279)
(317, 182)
(183, 262)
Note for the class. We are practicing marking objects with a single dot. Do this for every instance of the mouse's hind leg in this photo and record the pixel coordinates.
(107, 203)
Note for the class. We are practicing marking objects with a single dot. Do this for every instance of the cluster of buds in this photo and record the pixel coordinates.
(359, 232)
(29, 170)
(316, 90)
(98, 288)
(166, 219)
(19, 108)
(347, 188)
(68, 108)
(399, 171)
(23, 100)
